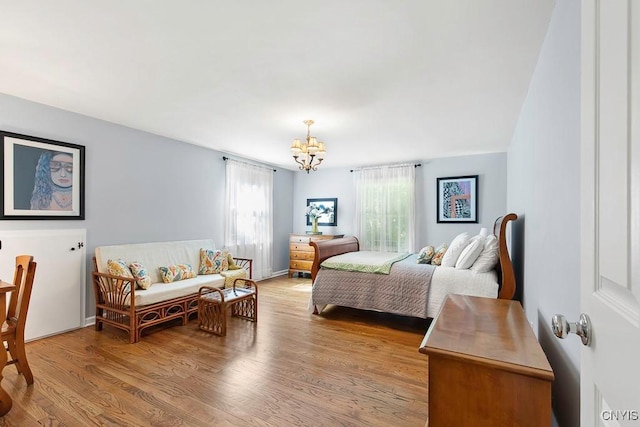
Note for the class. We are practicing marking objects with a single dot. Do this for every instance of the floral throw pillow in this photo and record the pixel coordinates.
(437, 257)
(213, 261)
(174, 273)
(118, 267)
(141, 274)
(426, 254)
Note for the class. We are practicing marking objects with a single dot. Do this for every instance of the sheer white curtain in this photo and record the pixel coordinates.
(385, 208)
(249, 215)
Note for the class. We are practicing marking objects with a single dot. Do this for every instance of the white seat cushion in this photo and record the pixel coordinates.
(166, 291)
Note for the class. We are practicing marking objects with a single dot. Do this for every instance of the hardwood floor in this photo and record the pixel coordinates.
(345, 367)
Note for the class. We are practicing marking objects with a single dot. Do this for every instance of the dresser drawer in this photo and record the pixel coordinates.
(300, 239)
(300, 247)
(299, 255)
(300, 265)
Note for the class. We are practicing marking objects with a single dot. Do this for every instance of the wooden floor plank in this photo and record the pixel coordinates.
(345, 367)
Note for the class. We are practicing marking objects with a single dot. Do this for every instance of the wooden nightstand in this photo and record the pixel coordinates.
(486, 367)
(301, 253)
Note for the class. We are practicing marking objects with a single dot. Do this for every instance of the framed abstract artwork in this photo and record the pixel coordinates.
(458, 199)
(42, 179)
(326, 211)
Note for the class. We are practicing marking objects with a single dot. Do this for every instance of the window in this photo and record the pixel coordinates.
(248, 215)
(385, 208)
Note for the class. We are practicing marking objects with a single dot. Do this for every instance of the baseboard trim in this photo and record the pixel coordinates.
(279, 273)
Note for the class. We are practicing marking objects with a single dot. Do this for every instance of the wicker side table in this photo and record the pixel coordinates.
(242, 298)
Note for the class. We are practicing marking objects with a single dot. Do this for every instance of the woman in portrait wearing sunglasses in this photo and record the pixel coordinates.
(53, 182)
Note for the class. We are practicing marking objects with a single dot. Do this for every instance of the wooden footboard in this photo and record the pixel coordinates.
(115, 304)
(327, 248)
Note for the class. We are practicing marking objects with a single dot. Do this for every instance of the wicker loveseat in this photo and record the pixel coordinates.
(120, 303)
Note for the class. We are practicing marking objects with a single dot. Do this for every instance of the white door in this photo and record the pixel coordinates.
(610, 206)
(58, 296)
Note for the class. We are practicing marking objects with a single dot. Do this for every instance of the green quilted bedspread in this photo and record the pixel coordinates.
(365, 261)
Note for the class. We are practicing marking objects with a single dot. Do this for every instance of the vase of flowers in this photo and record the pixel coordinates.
(313, 213)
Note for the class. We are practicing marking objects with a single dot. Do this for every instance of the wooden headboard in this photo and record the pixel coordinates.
(327, 248)
(506, 277)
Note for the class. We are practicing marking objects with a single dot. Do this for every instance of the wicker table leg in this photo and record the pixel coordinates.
(211, 317)
(246, 308)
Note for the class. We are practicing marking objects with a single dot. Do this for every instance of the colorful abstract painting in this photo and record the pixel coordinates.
(457, 199)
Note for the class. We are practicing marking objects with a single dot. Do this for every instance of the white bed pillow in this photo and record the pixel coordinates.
(470, 254)
(488, 257)
(455, 249)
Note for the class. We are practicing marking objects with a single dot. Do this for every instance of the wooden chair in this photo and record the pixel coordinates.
(13, 329)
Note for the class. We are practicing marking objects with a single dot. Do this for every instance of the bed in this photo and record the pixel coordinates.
(409, 288)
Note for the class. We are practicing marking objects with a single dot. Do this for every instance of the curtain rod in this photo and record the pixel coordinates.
(415, 165)
(225, 158)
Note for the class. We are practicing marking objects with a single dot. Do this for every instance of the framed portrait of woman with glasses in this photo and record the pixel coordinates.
(41, 178)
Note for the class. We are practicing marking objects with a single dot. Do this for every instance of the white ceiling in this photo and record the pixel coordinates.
(385, 81)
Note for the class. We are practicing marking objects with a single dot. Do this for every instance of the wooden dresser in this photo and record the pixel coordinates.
(301, 253)
(486, 367)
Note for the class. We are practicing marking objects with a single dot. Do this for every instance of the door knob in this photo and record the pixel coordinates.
(561, 328)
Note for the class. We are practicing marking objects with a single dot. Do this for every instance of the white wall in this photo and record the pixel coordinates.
(338, 182)
(543, 188)
(140, 187)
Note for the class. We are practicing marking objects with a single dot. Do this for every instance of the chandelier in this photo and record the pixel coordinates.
(308, 154)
